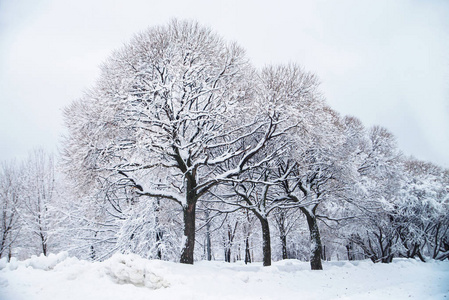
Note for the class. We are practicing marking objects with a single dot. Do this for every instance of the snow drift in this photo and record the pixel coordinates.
(135, 270)
(132, 277)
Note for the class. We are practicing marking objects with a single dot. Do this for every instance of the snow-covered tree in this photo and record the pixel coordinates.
(39, 208)
(317, 173)
(145, 232)
(381, 178)
(10, 223)
(285, 221)
(166, 119)
(289, 95)
(422, 210)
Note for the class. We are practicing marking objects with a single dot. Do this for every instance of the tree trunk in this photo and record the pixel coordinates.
(284, 246)
(386, 255)
(93, 254)
(315, 240)
(266, 241)
(228, 243)
(323, 253)
(208, 241)
(189, 233)
(9, 253)
(228, 255)
(159, 236)
(3, 243)
(282, 235)
(247, 251)
(208, 244)
(350, 250)
(436, 248)
(159, 232)
(43, 243)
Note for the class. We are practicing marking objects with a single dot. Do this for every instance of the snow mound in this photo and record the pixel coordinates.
(46, 263)
(3, 263)
(135, 270)
(41, 262)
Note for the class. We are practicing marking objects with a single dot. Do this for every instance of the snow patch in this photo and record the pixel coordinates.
(13, 264)
(135, 270)
(3, 282)
(243, 276)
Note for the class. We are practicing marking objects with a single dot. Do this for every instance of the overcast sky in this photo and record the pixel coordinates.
(385, 62)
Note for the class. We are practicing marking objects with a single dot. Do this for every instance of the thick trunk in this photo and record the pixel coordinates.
(189, 233)
(266, 241)
(189, 209)
(315, 240)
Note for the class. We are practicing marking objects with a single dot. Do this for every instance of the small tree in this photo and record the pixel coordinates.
(10, 223)
(285, 221)
(39, 208)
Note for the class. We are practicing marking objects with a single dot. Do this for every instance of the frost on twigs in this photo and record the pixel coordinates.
(135, 270)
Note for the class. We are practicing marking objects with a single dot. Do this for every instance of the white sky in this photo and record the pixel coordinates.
(385, 62)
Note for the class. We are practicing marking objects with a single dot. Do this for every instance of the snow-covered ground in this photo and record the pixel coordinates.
(131, 277)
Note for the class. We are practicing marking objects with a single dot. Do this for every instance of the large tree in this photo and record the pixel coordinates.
(166, 119)
(307, 172)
